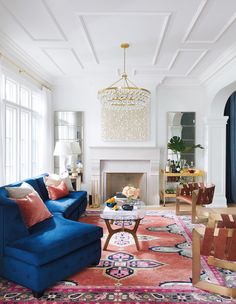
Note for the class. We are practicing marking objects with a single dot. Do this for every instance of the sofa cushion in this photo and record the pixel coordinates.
(34, 184)
(57, 191)
(31, 181)
(33, 209)
(67, 204)
(55, 179)
(58, 238)
(21, 191)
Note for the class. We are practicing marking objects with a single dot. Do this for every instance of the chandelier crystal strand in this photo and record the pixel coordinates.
(127, 96)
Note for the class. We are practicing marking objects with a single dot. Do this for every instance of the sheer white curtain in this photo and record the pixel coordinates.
(2, 167)
(47, 132)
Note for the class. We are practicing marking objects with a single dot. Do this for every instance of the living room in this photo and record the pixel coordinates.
(61, 59)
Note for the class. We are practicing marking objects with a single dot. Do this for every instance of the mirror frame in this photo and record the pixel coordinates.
(181, 127)
(77, 122)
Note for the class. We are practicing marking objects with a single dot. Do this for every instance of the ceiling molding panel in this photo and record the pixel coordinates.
(197, 61)
(194, 20)
(88, 38)
(124, 13)
(131, 27)
(31, 24)
(185, 60)
(66, 60)
(206, 26)
(188, 39)
(54, 19)
(161, 39)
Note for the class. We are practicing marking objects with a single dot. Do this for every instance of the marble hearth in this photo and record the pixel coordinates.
(138, 166)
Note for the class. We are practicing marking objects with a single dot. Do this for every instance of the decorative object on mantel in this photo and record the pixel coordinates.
(124, 94)
(125, 109)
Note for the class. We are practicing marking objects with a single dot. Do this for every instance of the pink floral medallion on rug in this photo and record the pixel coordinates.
(159, 273)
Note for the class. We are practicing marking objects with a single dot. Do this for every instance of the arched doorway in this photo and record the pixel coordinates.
(230, 112)
(215, 130)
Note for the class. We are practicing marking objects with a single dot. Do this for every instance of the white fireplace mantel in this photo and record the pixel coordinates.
(127, 159)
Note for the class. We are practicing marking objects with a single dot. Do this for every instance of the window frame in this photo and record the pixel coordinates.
(32, 114)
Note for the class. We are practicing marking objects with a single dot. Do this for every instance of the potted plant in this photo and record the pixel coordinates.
(177, 145)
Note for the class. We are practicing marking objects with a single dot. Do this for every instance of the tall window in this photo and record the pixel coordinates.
(23, 122)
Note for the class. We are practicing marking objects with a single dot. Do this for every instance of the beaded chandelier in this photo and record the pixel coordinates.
(124, 94)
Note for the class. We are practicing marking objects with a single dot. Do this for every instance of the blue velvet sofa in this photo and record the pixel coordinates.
(51, 250)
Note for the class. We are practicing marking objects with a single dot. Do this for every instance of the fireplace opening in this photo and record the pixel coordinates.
(115, 182)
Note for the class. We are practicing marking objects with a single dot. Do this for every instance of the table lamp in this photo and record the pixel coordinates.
(63, 150)
(75, 151)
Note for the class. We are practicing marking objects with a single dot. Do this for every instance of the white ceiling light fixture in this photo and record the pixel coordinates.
(124, 94)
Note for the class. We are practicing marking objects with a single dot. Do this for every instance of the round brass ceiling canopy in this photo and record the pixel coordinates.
(124, 45)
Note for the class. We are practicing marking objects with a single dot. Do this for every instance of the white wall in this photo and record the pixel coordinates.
(81, 95)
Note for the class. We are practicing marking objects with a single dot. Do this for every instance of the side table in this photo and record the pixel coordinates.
(76, 182)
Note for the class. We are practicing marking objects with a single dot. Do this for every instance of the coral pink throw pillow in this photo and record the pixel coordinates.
(33, 209)
(57, 191)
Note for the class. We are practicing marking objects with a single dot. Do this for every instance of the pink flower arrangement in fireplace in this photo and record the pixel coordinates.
(131, 192)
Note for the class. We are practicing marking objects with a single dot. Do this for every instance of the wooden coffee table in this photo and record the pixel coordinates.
(135, 216)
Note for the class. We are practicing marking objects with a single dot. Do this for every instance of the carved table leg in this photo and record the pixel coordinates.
(112, 231)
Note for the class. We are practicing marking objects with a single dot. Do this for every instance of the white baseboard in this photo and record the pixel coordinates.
(219, 201)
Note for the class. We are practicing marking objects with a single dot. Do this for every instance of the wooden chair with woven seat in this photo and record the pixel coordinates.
(194, 194)
(219, 245)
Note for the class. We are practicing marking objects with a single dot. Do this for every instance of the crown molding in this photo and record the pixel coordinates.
(17, 21)
(218, 64)
(12, 50)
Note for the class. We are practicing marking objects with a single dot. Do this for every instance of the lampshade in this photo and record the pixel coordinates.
(126, 95)
(65, 148)
(75, 147)
(62, 148)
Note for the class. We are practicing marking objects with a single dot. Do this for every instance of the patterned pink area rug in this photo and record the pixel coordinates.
(159, 273)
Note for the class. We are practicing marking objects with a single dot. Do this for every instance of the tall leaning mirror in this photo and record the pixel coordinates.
(68, 135)
(182, 124)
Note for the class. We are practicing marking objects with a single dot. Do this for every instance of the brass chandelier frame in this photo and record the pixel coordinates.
(126, 95)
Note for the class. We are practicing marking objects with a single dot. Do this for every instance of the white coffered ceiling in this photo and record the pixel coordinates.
(170, 40)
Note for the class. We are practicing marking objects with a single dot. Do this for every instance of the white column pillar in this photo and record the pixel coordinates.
(215, 156)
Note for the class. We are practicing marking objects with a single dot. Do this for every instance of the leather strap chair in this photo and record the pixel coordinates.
(219, 245)
(194, 194)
